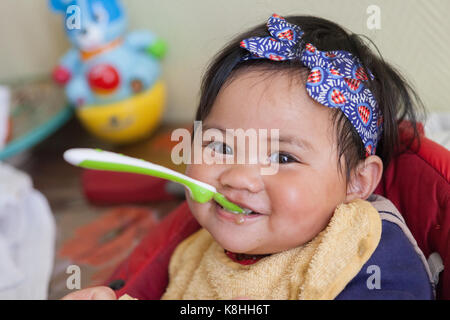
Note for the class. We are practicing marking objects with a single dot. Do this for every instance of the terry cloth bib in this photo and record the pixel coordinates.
(319, 269)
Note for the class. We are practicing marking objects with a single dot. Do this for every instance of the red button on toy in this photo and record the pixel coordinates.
(103, 79)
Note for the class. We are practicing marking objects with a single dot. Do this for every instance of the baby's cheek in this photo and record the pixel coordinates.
(202, 172)
(193, 170)
(334, 188)
(290, 192)
(299, 206)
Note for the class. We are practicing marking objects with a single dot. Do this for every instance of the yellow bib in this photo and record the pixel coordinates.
(319, 269)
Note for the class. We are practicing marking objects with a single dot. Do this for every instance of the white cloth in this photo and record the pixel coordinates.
(27, 237)
(437, 128)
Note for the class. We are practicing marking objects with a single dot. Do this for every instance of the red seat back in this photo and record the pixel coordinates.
(418, 183)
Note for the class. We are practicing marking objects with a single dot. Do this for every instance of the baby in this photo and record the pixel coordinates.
(316, 230)
(310, 235)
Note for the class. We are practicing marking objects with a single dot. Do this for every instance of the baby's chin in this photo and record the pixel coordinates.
(241, 244)
(252, 243)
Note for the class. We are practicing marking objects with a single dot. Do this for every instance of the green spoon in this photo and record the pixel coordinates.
(110, 161)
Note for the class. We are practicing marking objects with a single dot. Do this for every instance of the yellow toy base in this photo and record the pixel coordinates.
(127, 120)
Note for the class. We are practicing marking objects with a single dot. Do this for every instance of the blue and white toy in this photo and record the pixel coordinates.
(105, 66)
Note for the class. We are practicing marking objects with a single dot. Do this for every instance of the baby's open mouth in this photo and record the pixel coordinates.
(246, 212)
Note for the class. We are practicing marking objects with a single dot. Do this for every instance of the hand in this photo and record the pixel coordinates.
(94, 293)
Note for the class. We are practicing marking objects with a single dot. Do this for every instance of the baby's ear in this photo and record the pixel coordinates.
(365, 178)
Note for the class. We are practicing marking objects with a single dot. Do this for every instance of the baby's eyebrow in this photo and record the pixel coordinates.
(302, 143)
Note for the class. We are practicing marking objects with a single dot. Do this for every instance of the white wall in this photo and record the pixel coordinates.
(414, 36)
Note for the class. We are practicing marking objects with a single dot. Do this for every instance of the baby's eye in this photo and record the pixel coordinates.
(220, 147)
(282, 158)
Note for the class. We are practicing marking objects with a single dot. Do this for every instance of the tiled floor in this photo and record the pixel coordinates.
(60, 183)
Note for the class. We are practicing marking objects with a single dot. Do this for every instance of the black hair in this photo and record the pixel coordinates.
(396, 98)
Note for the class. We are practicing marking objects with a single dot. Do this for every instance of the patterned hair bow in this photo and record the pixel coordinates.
(336, 79)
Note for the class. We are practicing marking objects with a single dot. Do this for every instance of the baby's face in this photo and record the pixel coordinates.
(294, 204)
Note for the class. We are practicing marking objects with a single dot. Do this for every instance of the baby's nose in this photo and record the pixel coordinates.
(242, 177)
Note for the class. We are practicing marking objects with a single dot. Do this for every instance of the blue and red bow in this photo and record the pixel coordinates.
(336, 78)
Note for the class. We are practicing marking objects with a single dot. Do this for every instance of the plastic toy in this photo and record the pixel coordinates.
(110, 161)
(111, 78)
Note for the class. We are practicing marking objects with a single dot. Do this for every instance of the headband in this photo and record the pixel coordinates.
(336, 79)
